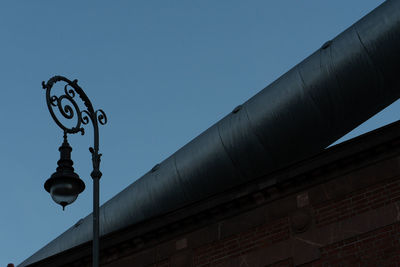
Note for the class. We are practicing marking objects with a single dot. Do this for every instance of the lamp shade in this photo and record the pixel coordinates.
(64, 185)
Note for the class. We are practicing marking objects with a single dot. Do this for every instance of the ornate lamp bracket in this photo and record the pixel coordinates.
(69, 109)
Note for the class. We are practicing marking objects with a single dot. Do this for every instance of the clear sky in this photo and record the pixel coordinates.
(163, 71)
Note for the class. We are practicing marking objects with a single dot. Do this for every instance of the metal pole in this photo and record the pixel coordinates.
(96, 175)
(96, 222)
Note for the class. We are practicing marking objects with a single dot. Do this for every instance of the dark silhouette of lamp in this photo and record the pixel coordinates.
(64, 185)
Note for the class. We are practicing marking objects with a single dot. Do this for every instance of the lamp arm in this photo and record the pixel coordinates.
(68, 111)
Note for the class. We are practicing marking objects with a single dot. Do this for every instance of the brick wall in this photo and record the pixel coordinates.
(222, 250)
(376, 248)
(358, 202)
(359, 228)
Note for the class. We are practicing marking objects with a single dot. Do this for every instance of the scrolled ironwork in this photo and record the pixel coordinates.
(67, 111)
(69, 92)
(85, 117)
(71, 110)
(53, 101)
(102, 117)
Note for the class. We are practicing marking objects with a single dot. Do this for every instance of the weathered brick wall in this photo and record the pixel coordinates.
(376, 248)
(351, 220)
(358, 202)
(262, 236)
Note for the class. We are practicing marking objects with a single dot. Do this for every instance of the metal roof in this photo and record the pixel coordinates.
(339, 86)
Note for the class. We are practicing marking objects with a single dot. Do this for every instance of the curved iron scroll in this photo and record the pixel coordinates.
(69, 109)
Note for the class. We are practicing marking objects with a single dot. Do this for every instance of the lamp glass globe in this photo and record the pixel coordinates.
(63, 193)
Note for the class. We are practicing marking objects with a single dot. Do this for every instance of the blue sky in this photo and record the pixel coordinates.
(163, 71)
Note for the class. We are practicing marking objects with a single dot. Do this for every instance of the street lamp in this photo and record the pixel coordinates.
(65, 185)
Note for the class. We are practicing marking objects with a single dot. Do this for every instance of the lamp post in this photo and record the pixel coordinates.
(65, 185)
